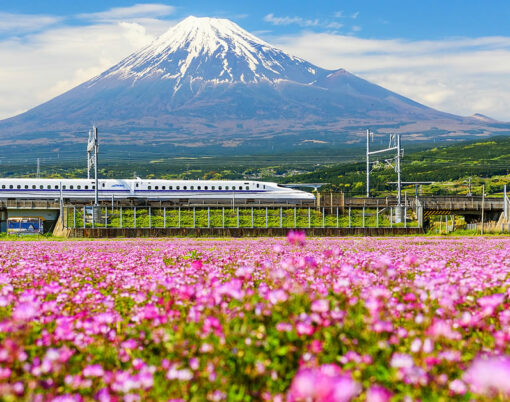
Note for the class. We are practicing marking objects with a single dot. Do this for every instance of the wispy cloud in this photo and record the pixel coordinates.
(334, 25)
(341, 14)
(461, 75)
(38, 66)
(153, 10)
(271, 18)
(25, 23)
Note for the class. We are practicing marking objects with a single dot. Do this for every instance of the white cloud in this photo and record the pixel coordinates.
(136, 11)
(50, 59)
(14, 24)
(460, 75)
(334, 25)
(40, 66)
(271, 18)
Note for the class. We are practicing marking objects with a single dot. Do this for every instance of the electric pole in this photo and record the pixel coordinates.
(483, 205)
(92, 151)
(394, 145)
(368, 163)
(397, 168)
(96, 149)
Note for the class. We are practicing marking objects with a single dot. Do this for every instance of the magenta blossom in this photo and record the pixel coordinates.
(325, 383)
(296, 237)
(489, 375)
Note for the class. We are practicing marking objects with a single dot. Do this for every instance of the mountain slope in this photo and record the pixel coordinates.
(207, 82)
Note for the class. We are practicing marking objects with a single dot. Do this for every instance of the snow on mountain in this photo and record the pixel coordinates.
(211, 49)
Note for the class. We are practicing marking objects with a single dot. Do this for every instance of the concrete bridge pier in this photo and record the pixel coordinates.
(3, 220)
(399, 214)
(419, 213)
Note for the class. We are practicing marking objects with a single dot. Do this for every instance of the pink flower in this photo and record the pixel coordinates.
(197, 264)
(284, 327)
(457, 387)
(94, 370)
(303, 328)
(320, 306)
(296, 237)
(491, 301)
(277, 296)
(325, 383)
(489, 375)
(401, 360)
(377, 393)
(25, 311)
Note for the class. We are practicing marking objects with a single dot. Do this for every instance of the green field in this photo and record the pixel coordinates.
(228, 217)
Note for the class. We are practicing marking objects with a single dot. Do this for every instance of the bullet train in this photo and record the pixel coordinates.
(243, 191)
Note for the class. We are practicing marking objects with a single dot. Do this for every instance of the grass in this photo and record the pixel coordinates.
(229, 217)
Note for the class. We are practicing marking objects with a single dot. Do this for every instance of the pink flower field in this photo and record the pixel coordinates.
(263, 319)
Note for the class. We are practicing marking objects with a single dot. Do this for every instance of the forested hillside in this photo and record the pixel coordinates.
(451, 164)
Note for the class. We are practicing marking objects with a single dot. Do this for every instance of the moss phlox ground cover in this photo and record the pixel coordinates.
(291, 319)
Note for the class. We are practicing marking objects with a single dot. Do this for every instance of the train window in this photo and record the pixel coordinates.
(3, 185)
(26, 186)
(219, 187)
(163, 187)
(78, 187)
(192, 187)
(33, 187)
(247, 188)
(226, 187)
(212, 187)
(19, 186)
(56, 187)
(71, 187)
(10, 186)
(205, 188)
(184, 188)
(93, 187)
(170, 187)
(264, 186)
(136, 184)
(198, 187)
(103, 184)
(177, 187)
(257, 185)
(149, 187)
(86, 187)
(41, 186)
(156, 187)
(49, 187)
(64, 187)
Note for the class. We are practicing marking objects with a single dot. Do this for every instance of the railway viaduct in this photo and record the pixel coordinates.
(469, 207)
(424, 207)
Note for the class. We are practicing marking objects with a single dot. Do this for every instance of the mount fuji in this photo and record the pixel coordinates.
(208, 84)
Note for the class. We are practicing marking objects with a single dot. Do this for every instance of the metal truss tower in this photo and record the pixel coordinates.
(394, 145)
(92, 151)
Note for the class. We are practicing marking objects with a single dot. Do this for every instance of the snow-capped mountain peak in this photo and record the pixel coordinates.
(211, 50)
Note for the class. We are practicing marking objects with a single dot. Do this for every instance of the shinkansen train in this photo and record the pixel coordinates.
(165, 190)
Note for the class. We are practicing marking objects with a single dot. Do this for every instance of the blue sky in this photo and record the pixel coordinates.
(452, 55)
(409, 19)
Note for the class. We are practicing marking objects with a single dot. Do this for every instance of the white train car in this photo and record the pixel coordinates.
(164, 190)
